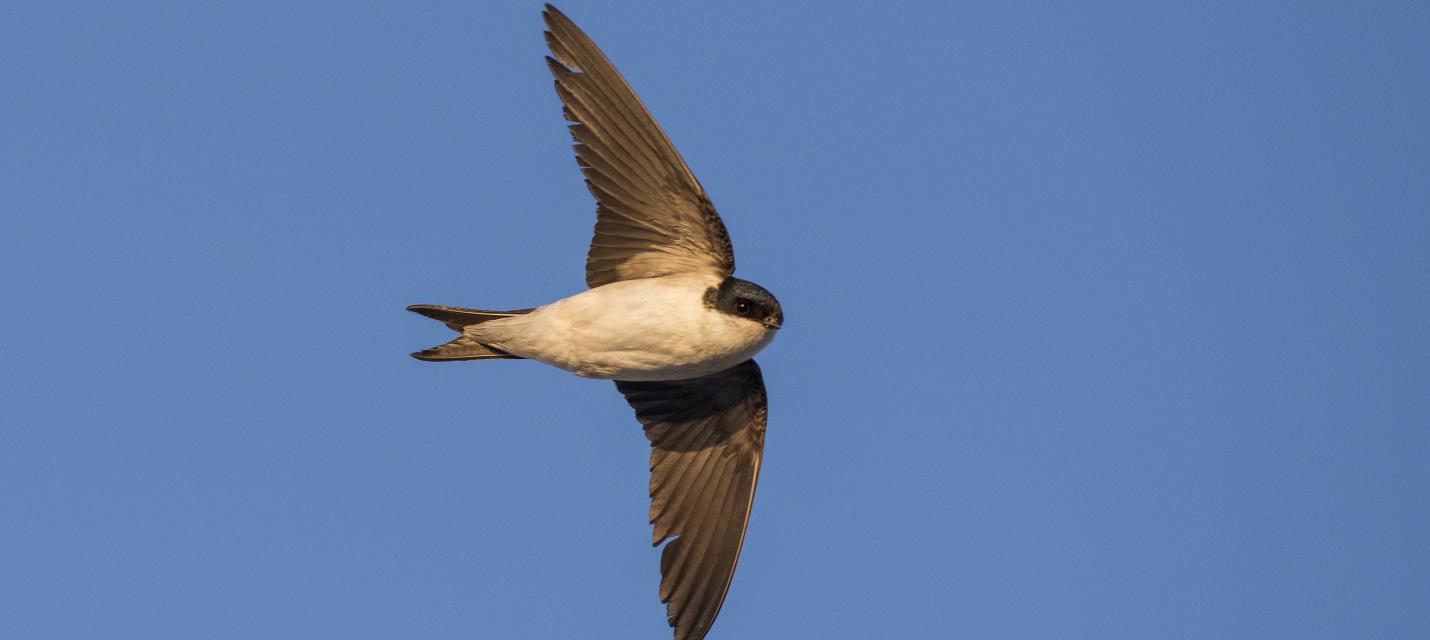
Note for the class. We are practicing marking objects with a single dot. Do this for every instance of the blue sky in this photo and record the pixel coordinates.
(1102, 322)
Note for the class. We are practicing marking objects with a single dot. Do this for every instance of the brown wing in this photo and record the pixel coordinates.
(652, 216)
(707, 435)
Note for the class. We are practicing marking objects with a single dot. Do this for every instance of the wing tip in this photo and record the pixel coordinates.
(554, 18)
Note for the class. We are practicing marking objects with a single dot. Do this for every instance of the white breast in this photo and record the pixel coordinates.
(648, 329)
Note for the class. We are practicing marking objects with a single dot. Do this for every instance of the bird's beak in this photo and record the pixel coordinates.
(774, 321)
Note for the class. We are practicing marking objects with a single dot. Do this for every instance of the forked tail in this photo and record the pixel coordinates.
(458, 319)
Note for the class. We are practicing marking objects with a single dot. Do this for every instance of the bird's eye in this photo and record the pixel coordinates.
(742, 307)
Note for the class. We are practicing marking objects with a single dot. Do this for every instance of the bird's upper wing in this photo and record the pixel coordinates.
(707, 435)
(652, 216)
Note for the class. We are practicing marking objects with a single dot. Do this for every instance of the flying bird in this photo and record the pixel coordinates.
(664, 317)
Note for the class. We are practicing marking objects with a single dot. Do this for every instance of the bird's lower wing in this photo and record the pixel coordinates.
(707, 435)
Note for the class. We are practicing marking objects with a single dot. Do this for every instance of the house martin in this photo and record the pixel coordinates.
(664, 317)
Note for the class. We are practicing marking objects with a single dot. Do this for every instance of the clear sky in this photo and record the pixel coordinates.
(1105, 322)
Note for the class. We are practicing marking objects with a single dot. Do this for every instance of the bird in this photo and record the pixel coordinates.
(663, 316)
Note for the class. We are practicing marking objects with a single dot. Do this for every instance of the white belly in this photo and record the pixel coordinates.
(649, 329)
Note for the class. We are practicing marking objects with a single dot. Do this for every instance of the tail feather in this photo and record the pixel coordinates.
(463, 347)
(458, 318)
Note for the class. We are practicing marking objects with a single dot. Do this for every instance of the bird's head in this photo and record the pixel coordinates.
(745, 299)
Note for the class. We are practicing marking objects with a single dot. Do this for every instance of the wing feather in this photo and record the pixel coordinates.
(652, 216)
(707, 437)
